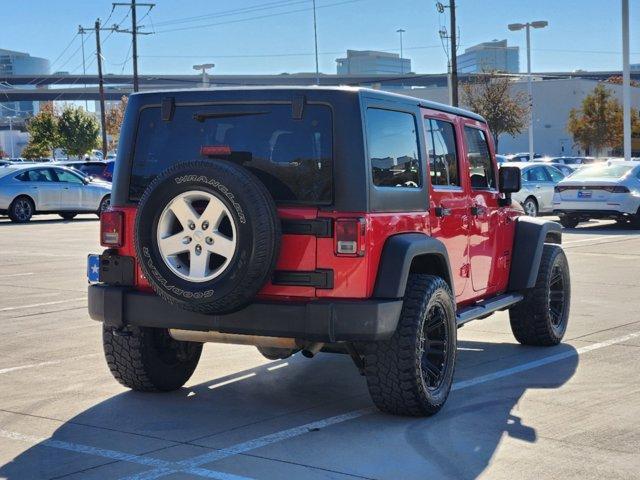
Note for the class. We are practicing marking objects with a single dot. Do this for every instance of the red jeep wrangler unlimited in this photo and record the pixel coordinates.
(316, 219)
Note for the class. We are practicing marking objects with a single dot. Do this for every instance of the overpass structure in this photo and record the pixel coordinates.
(66, 87)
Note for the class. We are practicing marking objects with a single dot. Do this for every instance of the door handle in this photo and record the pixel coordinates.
(65, 188)
(442, 212)
(538, 187)
(34, 188)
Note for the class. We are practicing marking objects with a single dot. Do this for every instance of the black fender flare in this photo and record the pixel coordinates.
(398, 254)
(530, 236)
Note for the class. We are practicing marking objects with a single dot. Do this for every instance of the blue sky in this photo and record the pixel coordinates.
(581, 35)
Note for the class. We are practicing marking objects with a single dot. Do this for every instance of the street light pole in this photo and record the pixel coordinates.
(204, 67)
(13, 154)
(401, 31)
(626, 81)
(82, 32)
(315, 39)
(527, 26)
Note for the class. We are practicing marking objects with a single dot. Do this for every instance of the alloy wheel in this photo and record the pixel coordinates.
(434, 347)
(196, 236)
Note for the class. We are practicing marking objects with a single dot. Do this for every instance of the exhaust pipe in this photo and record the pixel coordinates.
(233, 338)
(311, 349)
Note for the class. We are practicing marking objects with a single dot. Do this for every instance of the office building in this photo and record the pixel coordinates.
(489, 57)
(371, 62)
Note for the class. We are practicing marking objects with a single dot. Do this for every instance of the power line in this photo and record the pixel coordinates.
(258, 17)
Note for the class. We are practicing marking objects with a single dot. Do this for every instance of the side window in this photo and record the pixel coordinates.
(40, 175)
(23, 177)
(67, 177)
(537, 174)
(480, 164)
(393, 148)
(443, 155)
(556, 175)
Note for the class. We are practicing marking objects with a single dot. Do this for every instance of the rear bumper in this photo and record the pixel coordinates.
(591, 213)
(323, 321)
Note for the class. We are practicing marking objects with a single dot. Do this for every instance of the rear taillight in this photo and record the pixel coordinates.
(350, 236)
(111, 228)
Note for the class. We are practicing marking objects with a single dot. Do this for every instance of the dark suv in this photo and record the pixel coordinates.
(316, 219)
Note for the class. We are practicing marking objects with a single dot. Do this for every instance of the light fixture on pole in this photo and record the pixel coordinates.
(514, 27)
(626, 82)
(401, 31)
(203, 68)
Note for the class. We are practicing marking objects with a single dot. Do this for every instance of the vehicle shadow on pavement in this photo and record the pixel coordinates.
(459, 442)
(589, 228)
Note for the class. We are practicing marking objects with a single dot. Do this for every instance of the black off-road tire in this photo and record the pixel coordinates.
(394, 368)
(258, 235)
(148, 359)
(538, 320)
(68, 216)
(569, 221)
(21, 209)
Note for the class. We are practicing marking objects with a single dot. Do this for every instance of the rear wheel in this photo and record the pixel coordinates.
(569, 221)
(21, 210)
(530, 207)
(412, 372)
(148, 359)
(105, 203)
(542, 317)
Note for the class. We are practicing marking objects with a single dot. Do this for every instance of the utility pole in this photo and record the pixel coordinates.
(103, 115)
(134, 35)
(82, 32)
(626, 81)
(454, 50)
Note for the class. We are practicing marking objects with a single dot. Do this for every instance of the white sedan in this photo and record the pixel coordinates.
(26, 190)
(606, 190)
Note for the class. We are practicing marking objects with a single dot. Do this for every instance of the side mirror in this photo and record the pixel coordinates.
(509, 180)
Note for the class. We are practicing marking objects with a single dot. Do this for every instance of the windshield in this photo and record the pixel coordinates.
(602, 171)
(291, 156)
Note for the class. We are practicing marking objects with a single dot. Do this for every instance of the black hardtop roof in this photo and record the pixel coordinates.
(203, 94)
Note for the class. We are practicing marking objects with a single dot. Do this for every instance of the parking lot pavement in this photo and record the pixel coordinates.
(571, 411)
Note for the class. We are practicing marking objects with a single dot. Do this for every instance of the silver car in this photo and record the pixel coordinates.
(27, 190)
(538, 182)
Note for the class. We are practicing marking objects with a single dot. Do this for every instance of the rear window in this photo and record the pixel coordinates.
(292, 157)
(602, 171)
(93, 169)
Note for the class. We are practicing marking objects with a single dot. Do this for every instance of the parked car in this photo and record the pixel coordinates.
(27, 190)
(565, 169)
(501, 159)
(572, 161)
(522, 157)
(538, 182)
(95, 169)
(315, 220)
(5, 162)
(607, 190)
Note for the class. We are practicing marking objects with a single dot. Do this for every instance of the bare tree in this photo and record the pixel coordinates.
(490, 95)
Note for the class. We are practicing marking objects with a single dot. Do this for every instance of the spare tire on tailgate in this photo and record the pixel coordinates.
(207, 235)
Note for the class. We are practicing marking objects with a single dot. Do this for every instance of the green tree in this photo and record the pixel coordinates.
(34, 151)
(43, 132)
(490, 95)
(78, 131)
(597, 125)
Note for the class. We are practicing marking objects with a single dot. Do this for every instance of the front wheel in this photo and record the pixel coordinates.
(542, 317)
(149, 359)
(412, 372)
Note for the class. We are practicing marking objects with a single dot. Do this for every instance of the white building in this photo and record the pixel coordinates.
(552, 102)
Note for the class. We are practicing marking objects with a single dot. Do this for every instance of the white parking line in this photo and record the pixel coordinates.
(297, 431)
(167, 468)
(44, 304)
(594, 239)
(192, 466)
(16, 275)
(44, 364)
